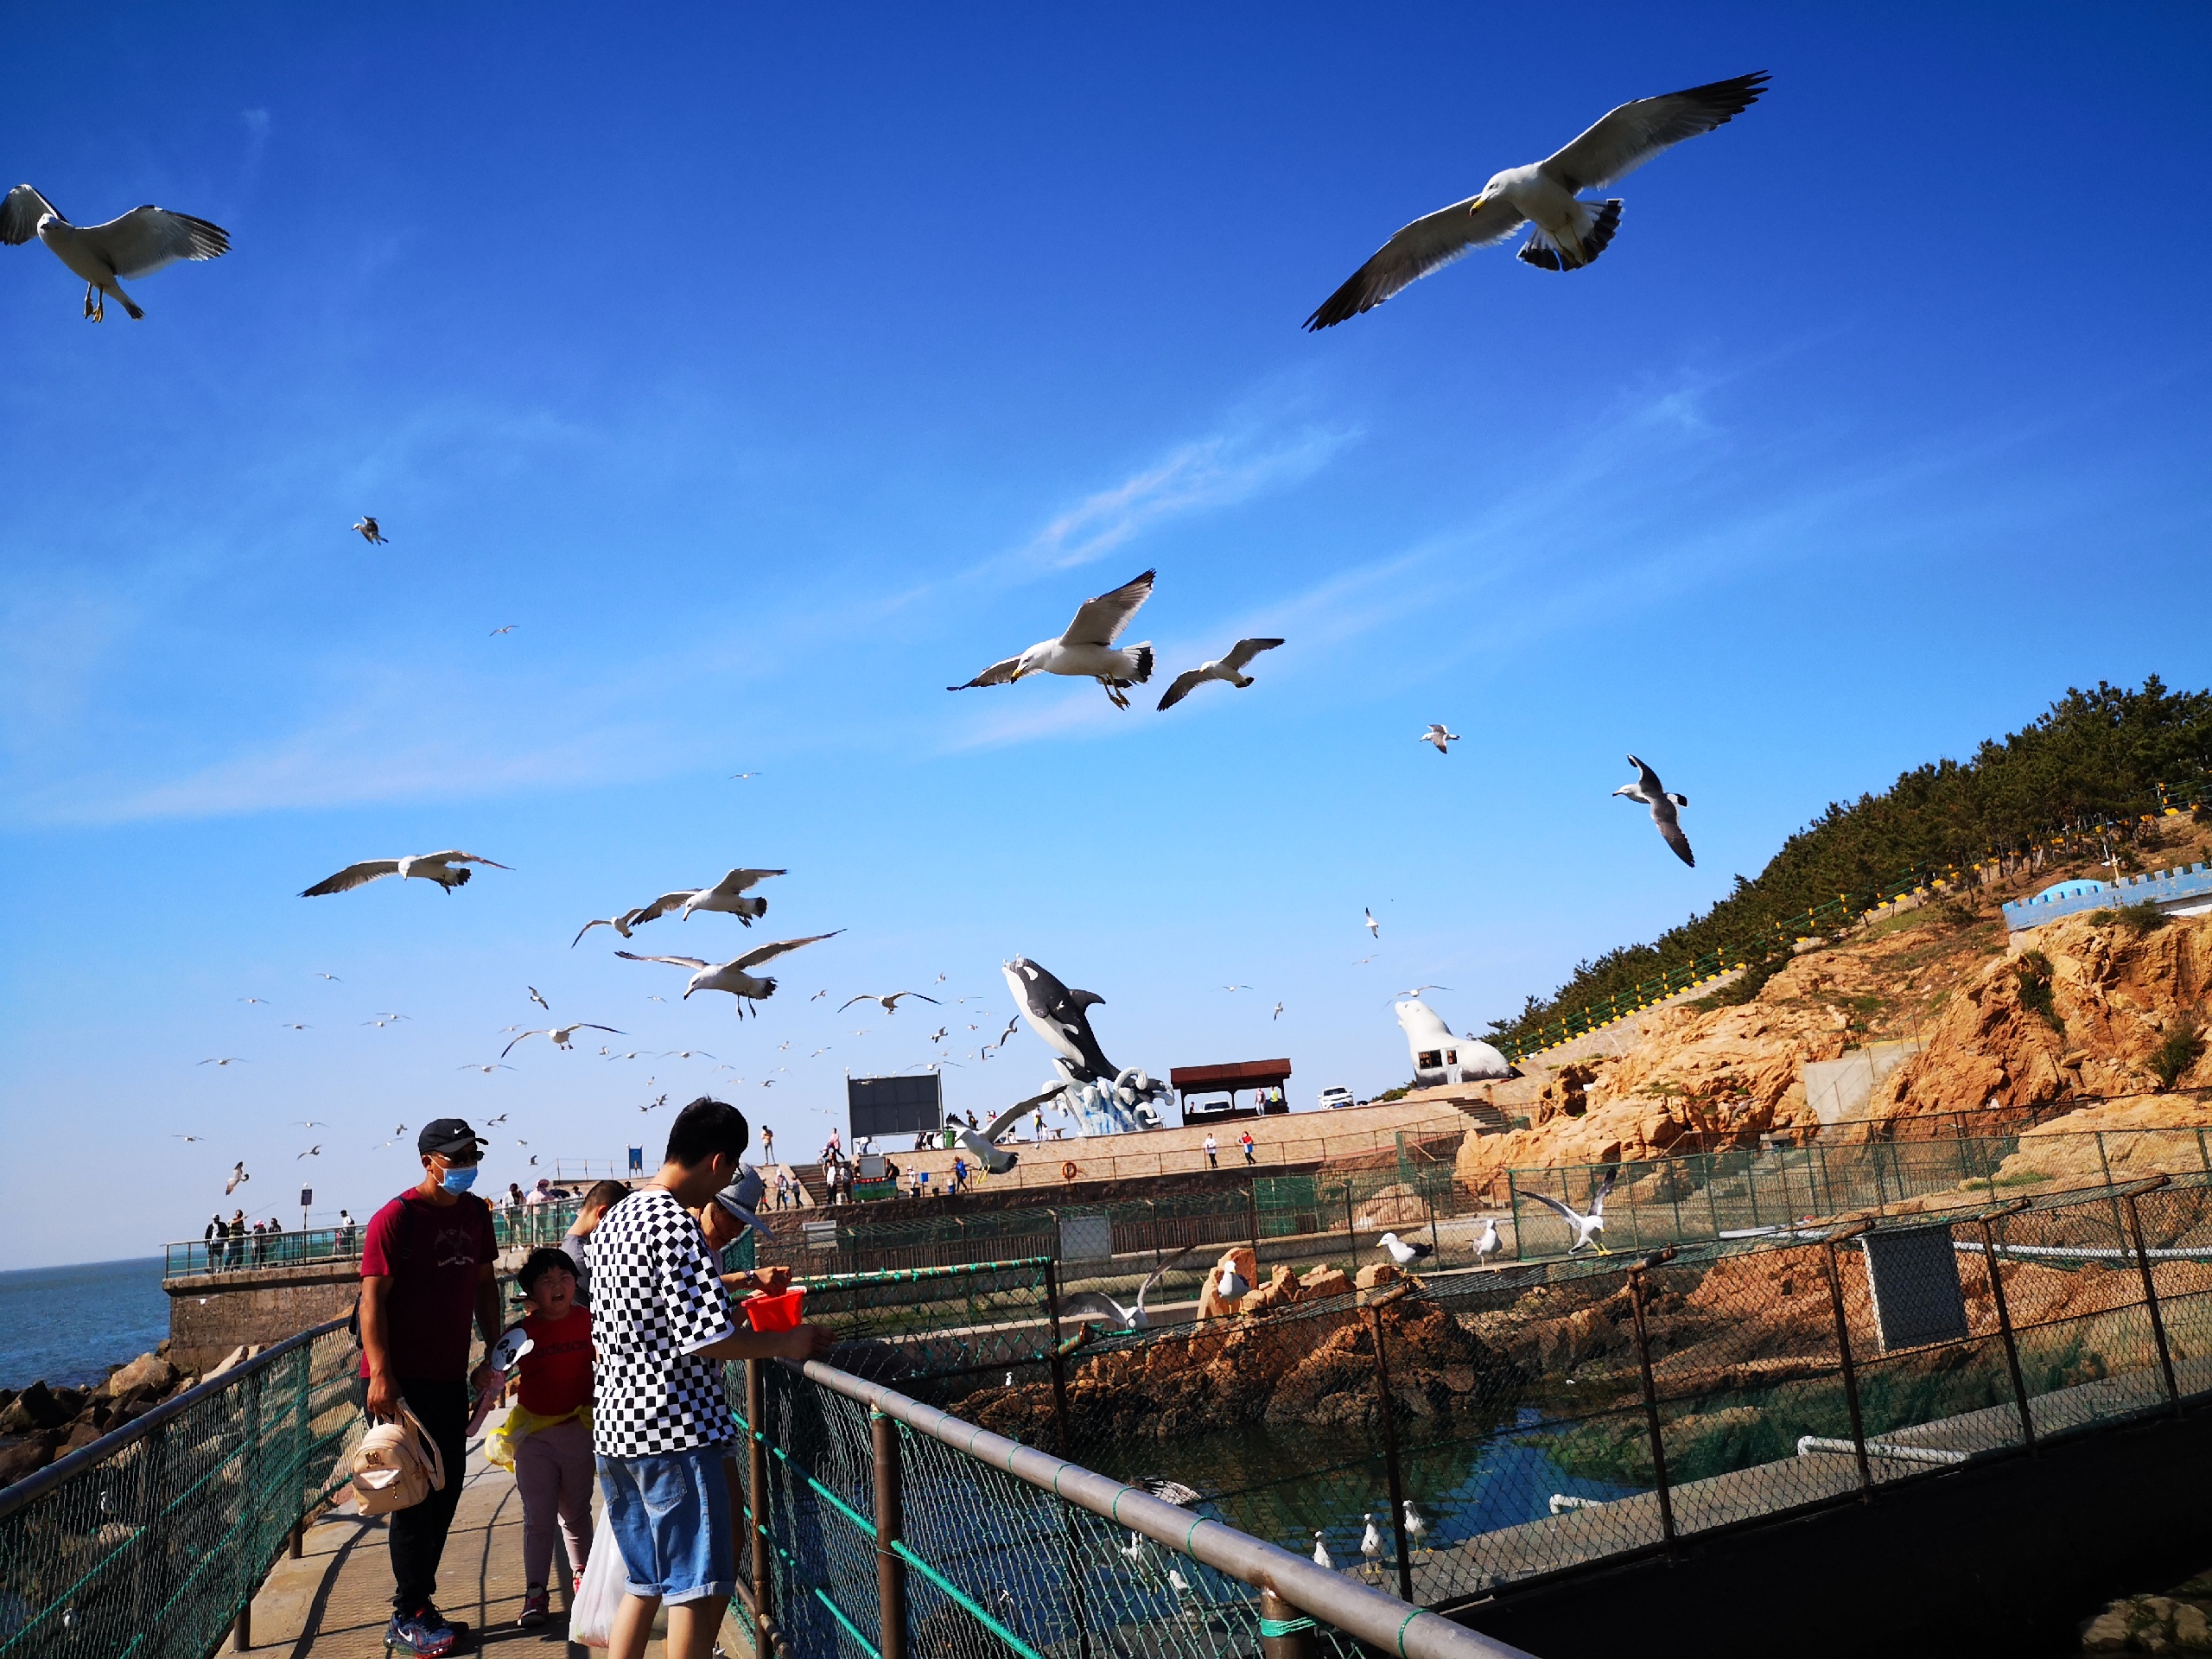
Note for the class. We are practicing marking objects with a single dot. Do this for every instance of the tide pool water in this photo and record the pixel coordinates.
(68, 1324)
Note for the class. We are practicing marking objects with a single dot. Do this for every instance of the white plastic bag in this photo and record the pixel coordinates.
(591, 1616)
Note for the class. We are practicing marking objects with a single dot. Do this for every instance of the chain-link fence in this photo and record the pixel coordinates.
(881, 1527)
(1749, 1192)
(1543, 1416)
(149, 1543)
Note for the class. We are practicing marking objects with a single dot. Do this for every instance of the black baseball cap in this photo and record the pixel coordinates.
(448, 1135)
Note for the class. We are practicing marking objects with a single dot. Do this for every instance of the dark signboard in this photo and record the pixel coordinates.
(907, 1105)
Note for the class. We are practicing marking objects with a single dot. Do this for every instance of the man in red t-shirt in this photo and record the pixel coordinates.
(429, 1264)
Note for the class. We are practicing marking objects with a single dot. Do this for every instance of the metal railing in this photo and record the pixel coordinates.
(150, 1542)
(884, 1526)
(523, 1229)
(1742, 1192)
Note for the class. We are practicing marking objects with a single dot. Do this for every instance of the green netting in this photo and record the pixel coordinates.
(150, 1553)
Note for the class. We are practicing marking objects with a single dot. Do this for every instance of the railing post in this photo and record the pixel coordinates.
(1285, 1633)
(2005, 1325)
(1635, 1282)
(1396, 1479)
(756, 1490)
(2150, 1301)
(1058, 1361)
(1850, 1374)
(890, 1529)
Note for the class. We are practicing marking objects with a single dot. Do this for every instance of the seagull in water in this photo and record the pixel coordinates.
(1647, 790)
(367, 531)
(1230, 669)
(559, 1034)
(1587, 1227)
(1086, 651)
(1565, 231)
(143, 241)
(431, 866)
(1097, 1305)
(731, 976)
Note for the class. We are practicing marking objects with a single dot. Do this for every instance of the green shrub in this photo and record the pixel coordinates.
(2182, 1047)
(2032, 969)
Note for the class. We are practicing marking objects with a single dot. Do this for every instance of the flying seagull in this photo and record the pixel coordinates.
(1230, 668)
(315, 1151)
(727, 895)
(1374, 928)
(1277, 1014)
(1403, 1254)
(559, 1034)
(510, 628)
(367, 531)
(731, 976)
(231, 1059)
(487, 1070)
(889, 1002)
(1086, 651)
(1566, 233)
(1442, 738)
(1097, 1305)
(433, 866)
(537, 997)
(620, 923)
(237, 1175)
(1648, 790)
(1587, 1227)
(137, 244)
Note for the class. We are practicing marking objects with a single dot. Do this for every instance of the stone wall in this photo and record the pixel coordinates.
(210, 1313)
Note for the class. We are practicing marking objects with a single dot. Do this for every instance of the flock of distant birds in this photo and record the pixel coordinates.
(1565, 233)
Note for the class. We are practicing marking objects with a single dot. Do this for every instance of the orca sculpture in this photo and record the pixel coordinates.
(1057, 1014)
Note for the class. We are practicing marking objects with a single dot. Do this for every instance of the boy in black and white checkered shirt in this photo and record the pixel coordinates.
(661, 1425)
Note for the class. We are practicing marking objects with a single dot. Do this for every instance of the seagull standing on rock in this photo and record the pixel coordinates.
(140, 242)
(1565, 231)
(1648, 790)
(1370, 1546)
(1232, 1285)
(1086, 651)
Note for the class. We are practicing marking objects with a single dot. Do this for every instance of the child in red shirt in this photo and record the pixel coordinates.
(548, 1436)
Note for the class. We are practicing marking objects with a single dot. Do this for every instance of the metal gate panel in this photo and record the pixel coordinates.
(1912, 1276)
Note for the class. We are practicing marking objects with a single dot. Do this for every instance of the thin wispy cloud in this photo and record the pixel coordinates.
(1213, 472)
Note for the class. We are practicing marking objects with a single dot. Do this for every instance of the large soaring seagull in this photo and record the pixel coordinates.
(137, 244)
(1086, 649)
(1566, 233)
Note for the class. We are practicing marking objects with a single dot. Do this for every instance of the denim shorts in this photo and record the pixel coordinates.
(670, 1518)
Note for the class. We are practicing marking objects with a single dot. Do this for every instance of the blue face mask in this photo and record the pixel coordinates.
(461, 1178)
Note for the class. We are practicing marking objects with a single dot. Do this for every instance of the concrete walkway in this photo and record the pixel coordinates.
(335, 1601)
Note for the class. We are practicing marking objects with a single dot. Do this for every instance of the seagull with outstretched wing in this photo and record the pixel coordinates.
(1648, 790)
(432, 867)
(732, 975)
(1230, 669)
(1097, 1305)
(559, 1034)
(1086, 651)
(145, 240)
(1565, 231)
(1587, 1226)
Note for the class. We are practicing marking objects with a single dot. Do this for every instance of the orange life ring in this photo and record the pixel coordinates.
(1068, 1171)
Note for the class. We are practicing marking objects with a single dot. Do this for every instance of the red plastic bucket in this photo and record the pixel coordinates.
(774, 1313)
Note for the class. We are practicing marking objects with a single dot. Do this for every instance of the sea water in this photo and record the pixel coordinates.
(68, 1324)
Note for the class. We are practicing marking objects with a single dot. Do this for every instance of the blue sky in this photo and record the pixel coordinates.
(772, 371)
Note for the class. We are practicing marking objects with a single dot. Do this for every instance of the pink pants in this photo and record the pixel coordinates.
(554, 1472)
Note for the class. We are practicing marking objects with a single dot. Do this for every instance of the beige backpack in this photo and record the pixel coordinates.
(395, 1466)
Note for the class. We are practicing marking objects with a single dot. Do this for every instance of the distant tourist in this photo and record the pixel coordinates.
(1212, 1151)
(429, 1265)
(601, 1198)
(959, 1175)
(514, 1195)
(260, 1243)
(215, 1236)
(1251, 1149)
(547, 1436)
(541, 1193)
(1037, 1127)
(234, 1253)
(783, 1189)
(767, 1146)
(660, 1422)
(346, 1231)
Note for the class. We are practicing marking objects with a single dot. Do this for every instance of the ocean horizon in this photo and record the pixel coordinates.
(68, 1324)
